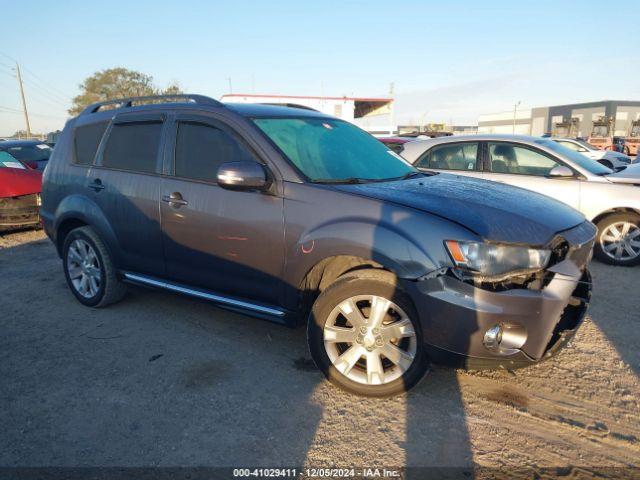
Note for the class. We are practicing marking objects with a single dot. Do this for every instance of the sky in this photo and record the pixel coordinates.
(448, 61)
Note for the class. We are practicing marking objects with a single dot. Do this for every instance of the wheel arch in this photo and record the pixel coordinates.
(614, 211)
(325, 272)
(77, 211)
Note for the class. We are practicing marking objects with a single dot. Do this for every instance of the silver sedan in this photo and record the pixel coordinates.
(609, 199)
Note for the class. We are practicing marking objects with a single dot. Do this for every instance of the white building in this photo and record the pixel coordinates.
(372, 114)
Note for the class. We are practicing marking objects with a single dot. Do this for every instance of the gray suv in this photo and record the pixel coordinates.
(300, 218)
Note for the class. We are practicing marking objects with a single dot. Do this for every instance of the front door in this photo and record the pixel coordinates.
(227, 241)
(529, 168)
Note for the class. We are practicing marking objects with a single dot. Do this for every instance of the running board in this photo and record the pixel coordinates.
(230, 302)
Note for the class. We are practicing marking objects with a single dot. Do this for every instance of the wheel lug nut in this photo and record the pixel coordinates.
(363, 329)
(376, 331)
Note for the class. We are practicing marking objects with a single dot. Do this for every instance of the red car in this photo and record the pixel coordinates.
(395, 143)
(19, 194)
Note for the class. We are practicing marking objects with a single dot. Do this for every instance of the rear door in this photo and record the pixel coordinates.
(460, 158)
(125, 184)
(529, 168)
(231, 242)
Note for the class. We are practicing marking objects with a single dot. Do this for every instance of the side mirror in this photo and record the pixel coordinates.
(560, 171)
(245, 175)
(32, 165)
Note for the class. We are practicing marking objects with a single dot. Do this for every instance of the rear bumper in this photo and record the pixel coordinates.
(16, 212)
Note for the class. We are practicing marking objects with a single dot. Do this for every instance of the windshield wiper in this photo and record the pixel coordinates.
(350, 180)
(412, 174)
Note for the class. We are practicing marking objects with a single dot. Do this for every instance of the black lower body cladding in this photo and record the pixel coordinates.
(483, 328)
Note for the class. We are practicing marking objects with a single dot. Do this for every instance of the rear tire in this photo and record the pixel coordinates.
(618, 240)
(89, 270)
(382, 361)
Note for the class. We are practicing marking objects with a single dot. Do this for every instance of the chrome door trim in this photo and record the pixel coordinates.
(200, 294)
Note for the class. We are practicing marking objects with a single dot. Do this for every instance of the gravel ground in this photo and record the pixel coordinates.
(165, 380)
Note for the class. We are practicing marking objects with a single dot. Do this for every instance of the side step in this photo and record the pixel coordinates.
(219, 299)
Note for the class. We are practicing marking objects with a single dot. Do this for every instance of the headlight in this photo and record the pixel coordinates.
(490, 260)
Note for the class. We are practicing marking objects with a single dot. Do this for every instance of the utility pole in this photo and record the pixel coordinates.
(24, 103)
(230, 89)
(515, 110)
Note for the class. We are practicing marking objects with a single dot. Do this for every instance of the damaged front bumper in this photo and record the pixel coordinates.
(480, 327)
(22, 211)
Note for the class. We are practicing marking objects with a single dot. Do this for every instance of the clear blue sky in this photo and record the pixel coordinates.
(448, 60)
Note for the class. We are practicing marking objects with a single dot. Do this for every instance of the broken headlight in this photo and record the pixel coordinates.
(494, 260)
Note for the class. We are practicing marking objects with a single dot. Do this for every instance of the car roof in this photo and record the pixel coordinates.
(413, 150)
(19, 143)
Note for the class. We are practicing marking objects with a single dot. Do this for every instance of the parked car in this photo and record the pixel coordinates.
(395, 143)
(608, 158)
(33, 153)
(19, 194)
(609, 199)
(301, 218)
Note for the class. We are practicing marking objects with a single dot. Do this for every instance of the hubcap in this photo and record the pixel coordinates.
(370, 340)
(84, 268)
(621, 241)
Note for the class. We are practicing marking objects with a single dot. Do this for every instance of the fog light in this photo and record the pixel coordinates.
(505, 338)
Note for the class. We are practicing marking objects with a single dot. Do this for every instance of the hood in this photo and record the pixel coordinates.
(15, 182)
(494, 211)
(630, 174)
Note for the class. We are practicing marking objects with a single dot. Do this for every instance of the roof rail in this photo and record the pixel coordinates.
(128, 102)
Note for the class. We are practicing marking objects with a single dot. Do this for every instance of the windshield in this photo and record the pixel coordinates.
(31, 153)
(600, 131)
(7, 161)
(332, 150)
(586, 163)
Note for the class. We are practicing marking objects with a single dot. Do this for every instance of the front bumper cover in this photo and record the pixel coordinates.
(20, 211)
(455, 315)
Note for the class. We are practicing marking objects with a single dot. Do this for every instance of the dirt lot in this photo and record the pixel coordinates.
(164, 380)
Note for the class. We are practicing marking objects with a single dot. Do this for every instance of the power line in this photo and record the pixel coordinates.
(37, 80)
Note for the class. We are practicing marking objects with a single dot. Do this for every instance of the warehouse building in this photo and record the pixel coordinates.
(372, 114)
(572, 119)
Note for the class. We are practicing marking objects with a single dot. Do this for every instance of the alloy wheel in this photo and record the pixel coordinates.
(370, 339)
(621, 241)
(84, 268)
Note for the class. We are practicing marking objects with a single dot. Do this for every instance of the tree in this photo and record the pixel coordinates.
(116, 83)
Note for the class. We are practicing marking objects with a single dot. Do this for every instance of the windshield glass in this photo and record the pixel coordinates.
(7, 161)
(600, 131)
(326, 149)
(586, 163)
(31, 153)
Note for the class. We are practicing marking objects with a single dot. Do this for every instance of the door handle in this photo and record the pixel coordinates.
(96, 185)
(175, 200)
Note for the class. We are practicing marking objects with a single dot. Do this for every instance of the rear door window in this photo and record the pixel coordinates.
(86, 141)
(201, 149)
(509, 158)
(133, 146)
(456, 156)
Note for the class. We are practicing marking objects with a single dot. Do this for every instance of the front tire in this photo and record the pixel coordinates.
(364, 335)
(89, 270)
(618, 241)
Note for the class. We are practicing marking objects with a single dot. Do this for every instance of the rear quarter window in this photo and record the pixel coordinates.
(86, 141)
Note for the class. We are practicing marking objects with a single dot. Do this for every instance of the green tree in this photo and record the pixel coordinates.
(114, 83)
